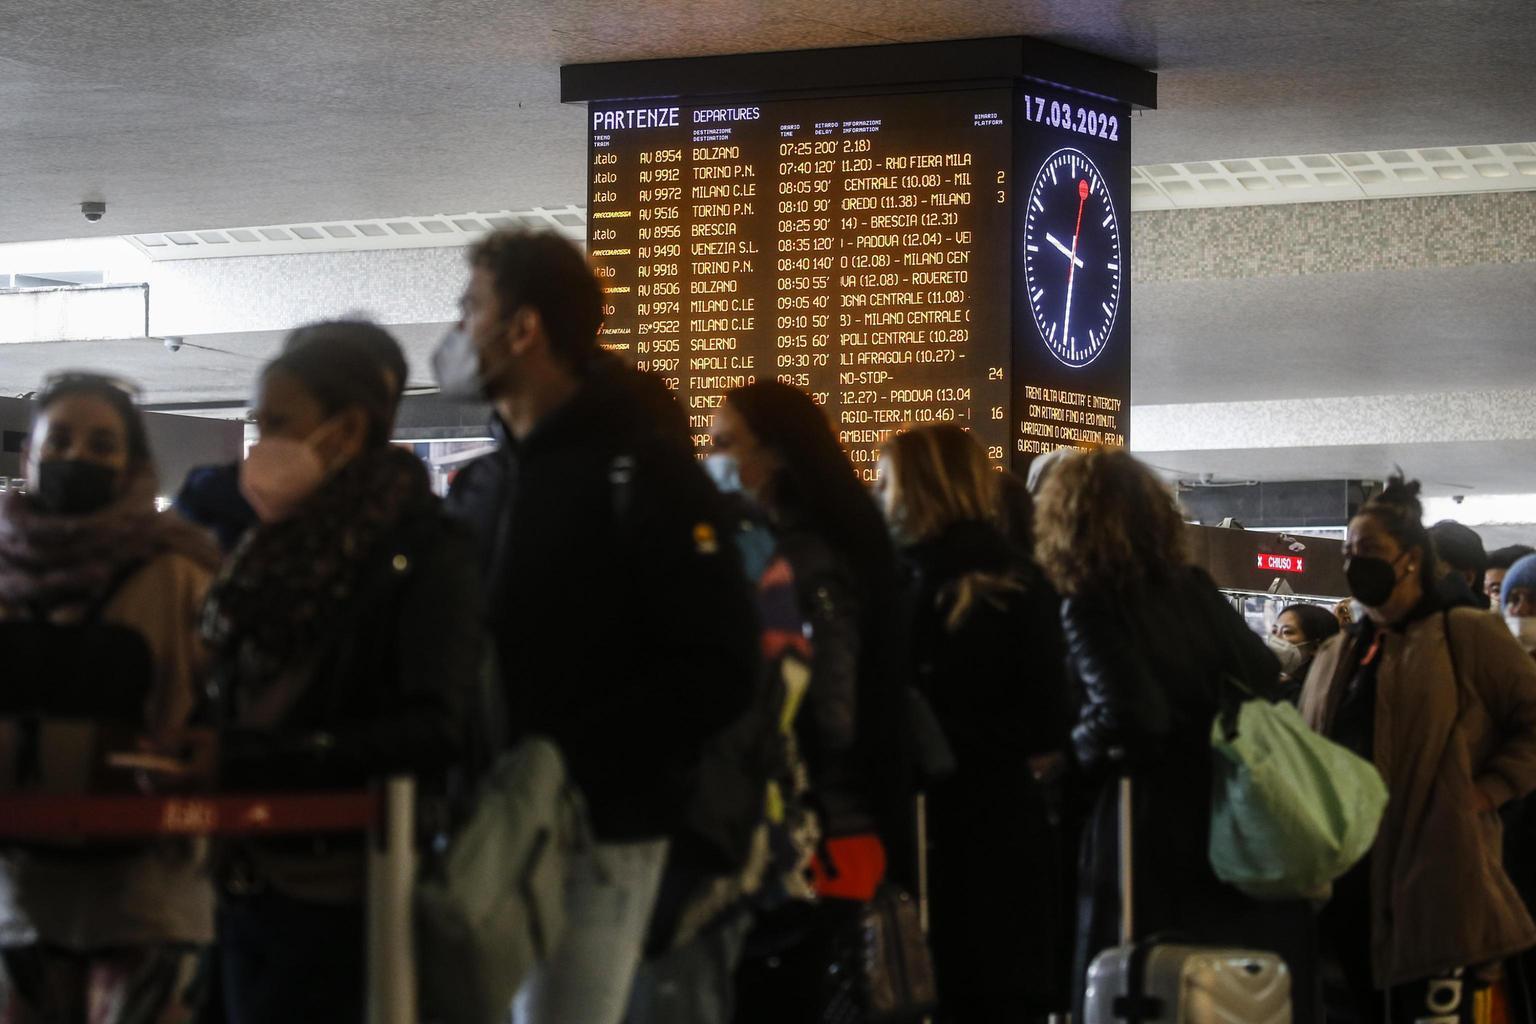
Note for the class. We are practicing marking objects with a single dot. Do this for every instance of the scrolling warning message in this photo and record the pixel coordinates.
(859, 248)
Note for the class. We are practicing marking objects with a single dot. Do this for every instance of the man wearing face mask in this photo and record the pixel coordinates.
(623, 622)
(1443, 702)
(1517, 596)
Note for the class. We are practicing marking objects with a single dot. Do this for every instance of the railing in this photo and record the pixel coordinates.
(386, 814)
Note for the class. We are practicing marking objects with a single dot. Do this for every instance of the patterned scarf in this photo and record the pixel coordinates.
(52, 560)
(288, 584)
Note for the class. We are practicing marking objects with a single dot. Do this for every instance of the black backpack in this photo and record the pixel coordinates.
(87, 671)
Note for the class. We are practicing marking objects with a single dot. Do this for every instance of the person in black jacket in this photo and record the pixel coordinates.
(1462, 561)
(1150, 639)
(984, 633)
(624, 625)
(345, 634)
(827, 527)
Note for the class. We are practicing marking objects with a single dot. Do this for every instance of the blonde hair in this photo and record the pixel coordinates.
(940, 476)
(1103, 520)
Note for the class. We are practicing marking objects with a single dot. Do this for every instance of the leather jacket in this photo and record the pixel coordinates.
(1150, 668)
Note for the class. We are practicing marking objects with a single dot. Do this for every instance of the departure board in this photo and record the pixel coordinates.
(858, 248)
(949, 256)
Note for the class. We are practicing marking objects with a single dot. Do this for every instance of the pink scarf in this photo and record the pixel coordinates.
(52, 560)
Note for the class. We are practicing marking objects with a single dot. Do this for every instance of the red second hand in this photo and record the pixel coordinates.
(1082, 198)
(1066, 329)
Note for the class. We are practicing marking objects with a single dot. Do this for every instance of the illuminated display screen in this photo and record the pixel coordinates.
(940, 257)
(1283, 563)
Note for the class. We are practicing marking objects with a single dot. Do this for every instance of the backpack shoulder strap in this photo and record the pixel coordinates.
(94, 610)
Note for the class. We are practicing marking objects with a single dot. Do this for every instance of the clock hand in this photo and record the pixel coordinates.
(1066, 326)
(1062, 249)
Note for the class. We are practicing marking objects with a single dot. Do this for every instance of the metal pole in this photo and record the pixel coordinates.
(922, 860)
(391, 872)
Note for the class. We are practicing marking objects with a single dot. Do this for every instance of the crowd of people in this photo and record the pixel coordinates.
(1008, 649)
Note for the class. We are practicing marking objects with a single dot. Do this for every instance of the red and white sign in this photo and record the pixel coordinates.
(1282, 563)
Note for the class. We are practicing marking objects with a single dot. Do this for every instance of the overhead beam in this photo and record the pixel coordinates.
(895, 66)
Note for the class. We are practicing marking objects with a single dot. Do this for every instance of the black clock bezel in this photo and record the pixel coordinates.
(1117, 292)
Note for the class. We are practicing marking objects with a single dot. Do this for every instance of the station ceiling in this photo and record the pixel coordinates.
(187, 114)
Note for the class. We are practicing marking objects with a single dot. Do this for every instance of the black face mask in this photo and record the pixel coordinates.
(73, 487)
(1371, 580)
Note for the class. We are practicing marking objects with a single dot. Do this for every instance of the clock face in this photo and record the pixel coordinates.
(1072, 257)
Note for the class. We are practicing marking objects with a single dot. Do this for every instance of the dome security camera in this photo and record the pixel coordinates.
(93, 211)
(173, 343)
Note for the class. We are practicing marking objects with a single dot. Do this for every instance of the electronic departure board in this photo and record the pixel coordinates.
(956, 255)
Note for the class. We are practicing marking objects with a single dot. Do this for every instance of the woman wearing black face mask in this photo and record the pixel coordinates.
(99, 596)
(1444, 703)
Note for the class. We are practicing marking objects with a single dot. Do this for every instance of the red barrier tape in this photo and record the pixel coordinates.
(122, 817)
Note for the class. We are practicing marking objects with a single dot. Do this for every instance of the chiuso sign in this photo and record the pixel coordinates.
(1282, 563)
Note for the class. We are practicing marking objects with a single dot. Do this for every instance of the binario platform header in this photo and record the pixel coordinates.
(872, 251)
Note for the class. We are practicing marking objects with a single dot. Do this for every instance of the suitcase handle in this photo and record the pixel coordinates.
(1136, 1007)
(1127, 872)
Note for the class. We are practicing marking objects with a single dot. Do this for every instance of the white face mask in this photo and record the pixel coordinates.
(724, 471)
(1524, 629)
(457, 366)
(1291, 657)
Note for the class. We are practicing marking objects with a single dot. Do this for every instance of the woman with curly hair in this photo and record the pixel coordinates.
(1151, 642)
(1443, 701)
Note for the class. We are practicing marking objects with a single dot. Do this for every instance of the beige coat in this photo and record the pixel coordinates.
(1439, 896)
(163, 893)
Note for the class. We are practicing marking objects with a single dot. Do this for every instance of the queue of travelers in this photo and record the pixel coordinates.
(933, 688)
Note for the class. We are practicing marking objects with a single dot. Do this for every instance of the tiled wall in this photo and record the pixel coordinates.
(1327, 238)
(274, 293)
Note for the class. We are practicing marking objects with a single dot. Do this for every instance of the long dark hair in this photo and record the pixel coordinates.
(816, 483)
(818, 489)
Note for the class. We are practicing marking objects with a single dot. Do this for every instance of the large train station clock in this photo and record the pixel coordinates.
(1072, 257)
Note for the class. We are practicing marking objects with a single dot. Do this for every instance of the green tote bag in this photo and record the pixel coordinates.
(1290, 810)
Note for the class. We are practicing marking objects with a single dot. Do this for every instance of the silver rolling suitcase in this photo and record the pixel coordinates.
(1150, 982)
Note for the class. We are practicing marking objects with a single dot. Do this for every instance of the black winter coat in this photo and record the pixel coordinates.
(827, 726)
(625, 627)
(1150, 666)
(389, 692)
(998, 685)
